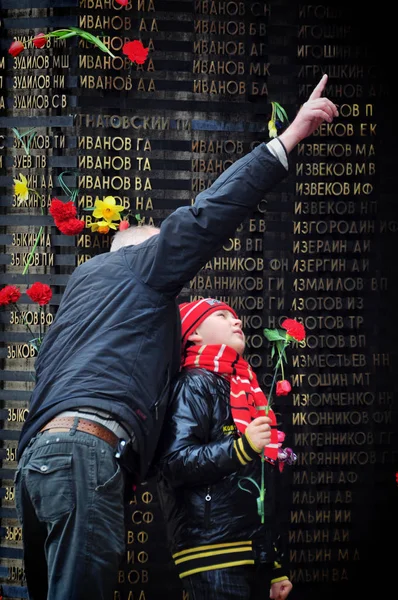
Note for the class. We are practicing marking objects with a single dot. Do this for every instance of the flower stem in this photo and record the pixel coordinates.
(31, 253)
(262, 489)
(282, 369)
(22, 319)
(279, 362)
(40, 326)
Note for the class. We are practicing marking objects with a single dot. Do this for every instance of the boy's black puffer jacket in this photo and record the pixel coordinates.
(210, 520)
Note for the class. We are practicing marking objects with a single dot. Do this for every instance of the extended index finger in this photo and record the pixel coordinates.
(317, 91)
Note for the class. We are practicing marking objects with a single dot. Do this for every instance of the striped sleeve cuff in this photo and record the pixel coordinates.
(277, 573)
(245, 449)
(279, 579)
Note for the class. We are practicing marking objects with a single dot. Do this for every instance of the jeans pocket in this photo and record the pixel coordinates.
(112, 480)
(49, 481)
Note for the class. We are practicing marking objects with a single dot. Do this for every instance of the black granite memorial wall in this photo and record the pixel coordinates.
(321, 247)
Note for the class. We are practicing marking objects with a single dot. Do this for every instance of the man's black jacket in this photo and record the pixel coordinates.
(115, 341)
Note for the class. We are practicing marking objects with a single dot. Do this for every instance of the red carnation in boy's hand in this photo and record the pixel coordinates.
(294, 329)
(9, 294)
(283, 387)
(39, 41)
(70, 226)
(40, 293)
(16, 48)
(136, 52)
(62, 211)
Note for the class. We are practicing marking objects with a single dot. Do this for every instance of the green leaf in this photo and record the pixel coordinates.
(279, 115)
(77, 30)
(92, 39)
(59, 32)
(34, 345)
(21, 135)
(251, 480)
(280, 111)
(31, 253)
(62, 34)
(72, 194)
(89, 37)
(15, 130)
(274, 335)
(281, 349)
(32, 135)
(260, 506)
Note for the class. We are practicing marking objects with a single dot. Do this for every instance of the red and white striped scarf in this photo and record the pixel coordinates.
(247, 399)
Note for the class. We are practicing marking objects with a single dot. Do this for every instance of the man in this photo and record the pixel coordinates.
(103, 374)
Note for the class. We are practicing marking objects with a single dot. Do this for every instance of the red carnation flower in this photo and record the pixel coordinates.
(16, 48)
(283, 387)
(9, 294)
(40, 293)
(136, 52)
(122, 2)
(39, 41)
(294, 329)
(70, 226)
(62, 211)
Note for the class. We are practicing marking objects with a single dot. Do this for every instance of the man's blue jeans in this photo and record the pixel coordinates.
(70, 501)
(245, 582)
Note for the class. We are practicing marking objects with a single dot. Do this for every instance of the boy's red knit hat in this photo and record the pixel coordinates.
(194, 313)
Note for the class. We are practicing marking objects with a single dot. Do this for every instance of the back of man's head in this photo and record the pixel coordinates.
(132, 236)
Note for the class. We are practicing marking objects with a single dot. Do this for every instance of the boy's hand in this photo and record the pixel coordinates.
(280, 590)
(315, 111)
(259, 432)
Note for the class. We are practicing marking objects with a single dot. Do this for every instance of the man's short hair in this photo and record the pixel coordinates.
(132, 236)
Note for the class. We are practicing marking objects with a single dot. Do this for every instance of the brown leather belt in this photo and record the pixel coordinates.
(66, 424)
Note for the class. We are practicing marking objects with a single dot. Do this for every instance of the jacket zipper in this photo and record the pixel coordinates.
(207, 507)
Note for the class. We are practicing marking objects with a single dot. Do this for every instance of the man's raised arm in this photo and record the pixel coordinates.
(192, 235)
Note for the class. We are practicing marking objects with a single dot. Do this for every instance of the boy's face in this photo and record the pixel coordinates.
(221, 327)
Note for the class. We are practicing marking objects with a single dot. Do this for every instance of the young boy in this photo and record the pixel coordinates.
(216, 434)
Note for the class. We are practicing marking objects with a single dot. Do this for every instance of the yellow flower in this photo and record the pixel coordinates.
(107, 209)
(102, 226)
(21, 187)
(272, 129)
